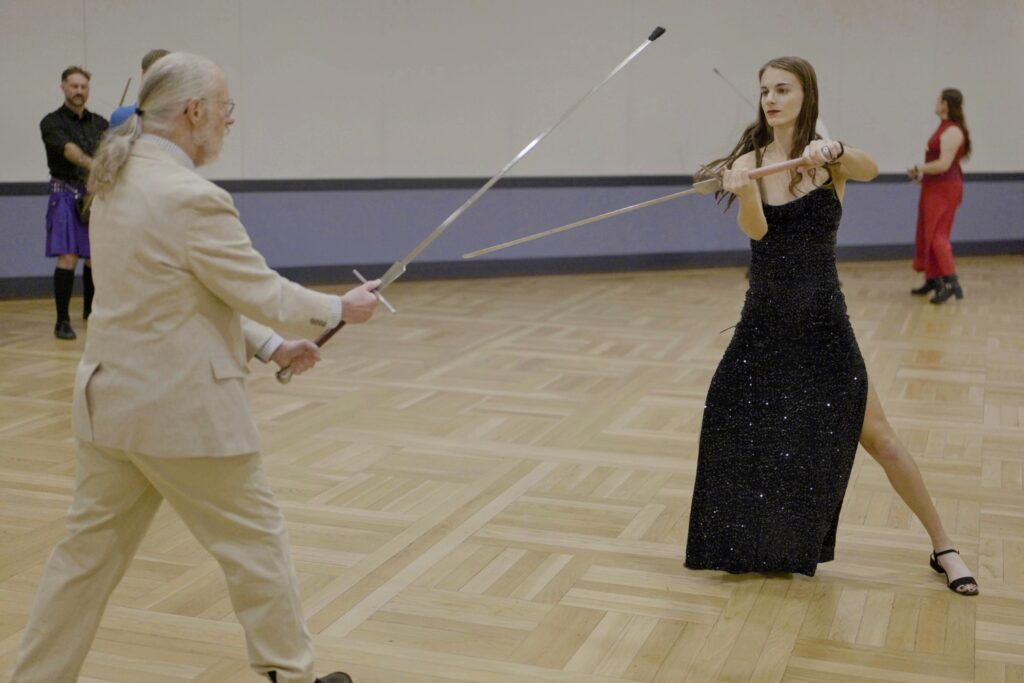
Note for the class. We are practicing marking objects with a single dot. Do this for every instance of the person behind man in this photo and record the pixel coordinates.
(159, 407)
(123, 113)
(71, 134)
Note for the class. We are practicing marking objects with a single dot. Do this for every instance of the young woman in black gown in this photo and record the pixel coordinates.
(791, 397)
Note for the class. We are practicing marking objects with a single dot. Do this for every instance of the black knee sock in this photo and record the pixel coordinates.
(63, 283)
(87, 291)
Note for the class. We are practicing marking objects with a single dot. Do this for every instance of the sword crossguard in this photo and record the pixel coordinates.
(376, 292)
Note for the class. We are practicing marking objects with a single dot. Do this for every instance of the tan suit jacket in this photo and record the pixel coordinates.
(164, 369)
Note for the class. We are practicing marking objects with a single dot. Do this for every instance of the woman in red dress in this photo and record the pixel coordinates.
(942, 189)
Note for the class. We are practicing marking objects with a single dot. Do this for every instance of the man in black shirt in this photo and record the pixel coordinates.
(71, 135)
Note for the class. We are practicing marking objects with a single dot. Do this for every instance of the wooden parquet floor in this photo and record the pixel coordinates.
(494, 486)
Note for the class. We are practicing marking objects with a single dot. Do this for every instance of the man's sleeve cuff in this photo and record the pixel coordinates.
(334, 321)
(266, 352)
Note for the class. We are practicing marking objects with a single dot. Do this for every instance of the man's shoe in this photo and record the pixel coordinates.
(63, 330)
(336, 677)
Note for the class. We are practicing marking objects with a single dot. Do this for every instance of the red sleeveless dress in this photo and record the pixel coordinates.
(940, 196)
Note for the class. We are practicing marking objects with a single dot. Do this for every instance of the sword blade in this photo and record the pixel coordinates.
(125, 93)
(734, 88)
(398, 268)
(708, 186)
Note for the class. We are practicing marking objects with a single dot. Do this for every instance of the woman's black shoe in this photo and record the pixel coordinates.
(949, 288)
(933, 560)
(932, 285)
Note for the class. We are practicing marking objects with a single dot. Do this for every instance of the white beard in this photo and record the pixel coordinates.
(208, 145)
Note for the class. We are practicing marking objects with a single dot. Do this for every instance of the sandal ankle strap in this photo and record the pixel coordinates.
(937, 555)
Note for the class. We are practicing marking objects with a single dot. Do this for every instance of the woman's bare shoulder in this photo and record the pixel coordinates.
(747, 161)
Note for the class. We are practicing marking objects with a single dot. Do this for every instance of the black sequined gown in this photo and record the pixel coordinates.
(784, 411)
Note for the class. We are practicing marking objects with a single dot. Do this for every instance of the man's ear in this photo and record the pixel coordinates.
(193, 111)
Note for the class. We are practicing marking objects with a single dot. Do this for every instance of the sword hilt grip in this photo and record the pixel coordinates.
(656, 33)
(284, 375)
(776, 168)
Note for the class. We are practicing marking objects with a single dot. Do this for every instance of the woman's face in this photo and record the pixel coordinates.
(782, 96)
(941, 108)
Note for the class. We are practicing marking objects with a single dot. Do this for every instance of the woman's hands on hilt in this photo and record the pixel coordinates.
(822, 152)
(739, 182)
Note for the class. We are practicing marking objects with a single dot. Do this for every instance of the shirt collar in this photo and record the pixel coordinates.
(177, 152)
(78, 117)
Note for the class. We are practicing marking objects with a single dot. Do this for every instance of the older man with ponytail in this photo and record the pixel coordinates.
(160, 408)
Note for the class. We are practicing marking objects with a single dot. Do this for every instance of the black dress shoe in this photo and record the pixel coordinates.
(62, 330)
(933, 285)
(336, 677)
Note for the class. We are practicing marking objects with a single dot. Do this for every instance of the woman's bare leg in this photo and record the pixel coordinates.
(880, 440)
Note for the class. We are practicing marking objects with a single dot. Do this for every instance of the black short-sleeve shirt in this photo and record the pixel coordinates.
(63, 126)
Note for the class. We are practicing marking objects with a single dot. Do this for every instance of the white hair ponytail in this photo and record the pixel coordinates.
(168, 85)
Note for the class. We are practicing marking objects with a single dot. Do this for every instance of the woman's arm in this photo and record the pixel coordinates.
(737, 181)
(845, 162)
(855, 164)
(949, 145)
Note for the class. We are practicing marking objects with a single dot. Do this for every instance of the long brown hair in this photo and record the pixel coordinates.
(954, 100)
(759, 134)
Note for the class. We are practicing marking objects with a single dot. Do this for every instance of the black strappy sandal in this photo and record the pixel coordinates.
(933, 560)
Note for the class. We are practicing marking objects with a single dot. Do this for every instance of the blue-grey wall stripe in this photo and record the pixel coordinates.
(316, 230)
(343, 184)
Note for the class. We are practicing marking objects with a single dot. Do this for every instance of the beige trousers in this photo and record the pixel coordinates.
(225, 502)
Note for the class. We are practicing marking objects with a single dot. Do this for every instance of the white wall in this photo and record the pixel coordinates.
(439, 88)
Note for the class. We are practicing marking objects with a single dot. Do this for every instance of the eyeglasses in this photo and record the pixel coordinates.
(229, 105)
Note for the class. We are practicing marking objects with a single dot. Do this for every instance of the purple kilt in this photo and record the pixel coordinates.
(65, 234)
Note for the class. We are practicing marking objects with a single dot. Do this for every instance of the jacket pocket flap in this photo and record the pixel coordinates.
(84, 372)
(81, 411)
(228, 368)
